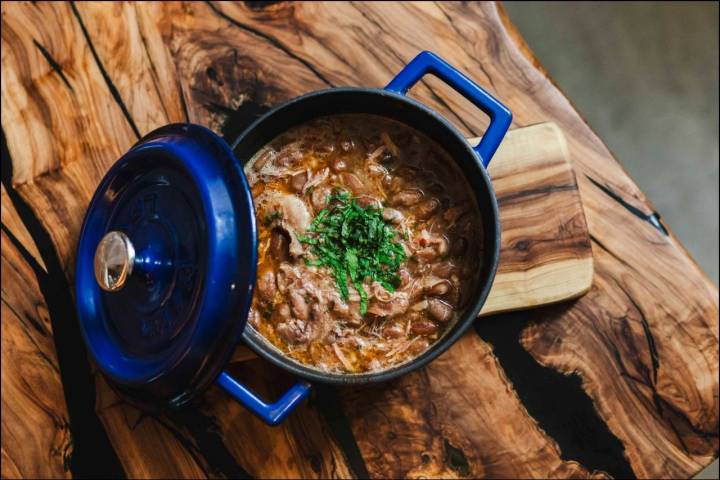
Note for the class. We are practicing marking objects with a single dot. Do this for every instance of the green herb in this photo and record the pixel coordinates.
(355, 242)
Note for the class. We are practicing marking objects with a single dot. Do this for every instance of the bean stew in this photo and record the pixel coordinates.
(369, 243)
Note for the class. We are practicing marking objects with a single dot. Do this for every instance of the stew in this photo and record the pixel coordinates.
(369, 241)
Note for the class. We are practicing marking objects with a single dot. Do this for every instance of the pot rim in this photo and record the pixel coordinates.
(265, 350)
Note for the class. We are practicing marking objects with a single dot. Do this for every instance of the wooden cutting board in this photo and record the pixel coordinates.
(545, 254)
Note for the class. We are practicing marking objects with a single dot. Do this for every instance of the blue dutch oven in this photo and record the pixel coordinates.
(167, 255)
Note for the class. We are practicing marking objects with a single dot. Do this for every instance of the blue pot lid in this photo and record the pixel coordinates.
(166, 265)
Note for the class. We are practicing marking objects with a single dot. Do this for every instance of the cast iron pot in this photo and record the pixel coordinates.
(167, 255)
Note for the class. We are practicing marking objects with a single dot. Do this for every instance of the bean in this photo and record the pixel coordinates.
(393, 216)
(367, 200)
(439, 310)
(299, 307)
(423, 327)
(266, 285)
(440, 288)
(409, 197)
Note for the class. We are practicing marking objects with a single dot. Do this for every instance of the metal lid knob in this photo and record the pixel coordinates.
(114, 259)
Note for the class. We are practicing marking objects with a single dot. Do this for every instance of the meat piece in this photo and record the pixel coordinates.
(287, 277)
(295, 213)
(315, 179)
(397, 305)
(423, 327)
(405, 277)
(351, 314)
(282, 312)
(289, 155)
(287, 212)
(429, 246)
(407, 198)
(318, 198)
(267, 167)
(284, 277)
(393, 216)
(417, 289)
(426, 208)
(394, 330)
(293, 332)
(276, 206)
(376, 290)
(262, 159)
(279, 247)
(439, 310)
(431, 253)
(266, 287)
(297, 181)
(299, 306)
(323, 322)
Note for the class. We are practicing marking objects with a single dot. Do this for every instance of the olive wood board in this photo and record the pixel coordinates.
(545, 253)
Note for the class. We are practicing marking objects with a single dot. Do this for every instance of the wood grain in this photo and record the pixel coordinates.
(639, 352)
(36, 438)
(543, 259)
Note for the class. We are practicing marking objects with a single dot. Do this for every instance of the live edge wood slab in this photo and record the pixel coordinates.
(622, 382)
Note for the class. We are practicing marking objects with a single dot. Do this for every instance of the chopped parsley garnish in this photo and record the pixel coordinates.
(355, 242)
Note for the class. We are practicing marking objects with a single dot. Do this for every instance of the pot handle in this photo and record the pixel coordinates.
(429, 63)
(270, 413)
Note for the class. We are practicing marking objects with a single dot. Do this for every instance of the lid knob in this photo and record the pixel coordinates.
(114, 259)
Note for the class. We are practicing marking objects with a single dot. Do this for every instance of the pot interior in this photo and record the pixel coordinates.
(421, 118)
